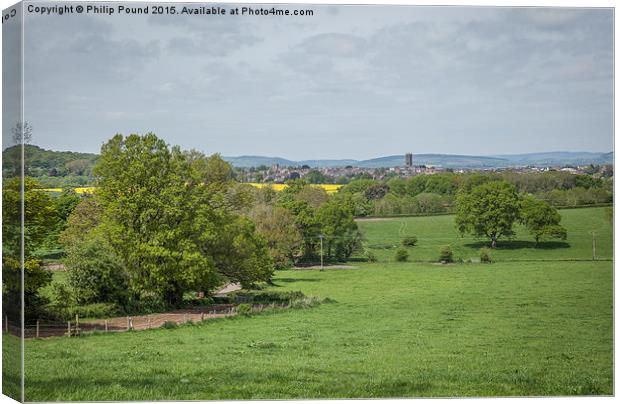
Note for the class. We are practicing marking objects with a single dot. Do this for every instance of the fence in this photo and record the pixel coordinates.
(76, 327)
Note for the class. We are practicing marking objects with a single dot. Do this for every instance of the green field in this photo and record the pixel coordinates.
(383, 236)
(394, 330)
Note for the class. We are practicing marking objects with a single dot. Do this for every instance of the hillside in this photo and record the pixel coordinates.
(442, 160)
(48, 163)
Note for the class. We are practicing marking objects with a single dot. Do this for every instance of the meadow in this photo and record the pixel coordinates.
(384, 235)
(412, 329)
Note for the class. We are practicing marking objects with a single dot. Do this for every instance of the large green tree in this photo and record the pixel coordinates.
(541, 219)
(489, 210)
(342, 236)
(277, 226)
(165, 216)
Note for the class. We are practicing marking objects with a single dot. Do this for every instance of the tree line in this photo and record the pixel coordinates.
(165, 224)
(437, 193)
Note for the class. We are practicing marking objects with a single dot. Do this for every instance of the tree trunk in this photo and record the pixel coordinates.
(493, 242)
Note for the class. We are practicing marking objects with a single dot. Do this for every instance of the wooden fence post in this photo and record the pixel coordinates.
(37, 329)
(68, 328)
(148, 318)
(184, 318)
(127, 323)
(77, 324)
(106, 325)
(202, 316)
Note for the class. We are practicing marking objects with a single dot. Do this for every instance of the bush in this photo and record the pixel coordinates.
(244, 309)
(169, 325)
(410, 241)
(485, 255)
(402, 255)
(265, 297)
(370, 256)
(445, 254)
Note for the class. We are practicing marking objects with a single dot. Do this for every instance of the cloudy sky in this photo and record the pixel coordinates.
(348, 82)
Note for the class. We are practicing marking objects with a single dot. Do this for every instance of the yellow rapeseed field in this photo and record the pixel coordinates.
(330, 188)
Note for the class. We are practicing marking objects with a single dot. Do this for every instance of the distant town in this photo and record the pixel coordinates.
(278, 173)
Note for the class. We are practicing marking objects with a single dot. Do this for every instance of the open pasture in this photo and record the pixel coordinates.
(383, 236)
(540, 326)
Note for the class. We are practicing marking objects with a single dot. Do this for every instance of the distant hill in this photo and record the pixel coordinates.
(559, 158)
(441, 160)
(41, 162)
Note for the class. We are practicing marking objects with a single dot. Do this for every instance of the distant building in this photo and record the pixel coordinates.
(408, 160)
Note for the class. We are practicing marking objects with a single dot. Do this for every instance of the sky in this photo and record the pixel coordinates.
(348, 82)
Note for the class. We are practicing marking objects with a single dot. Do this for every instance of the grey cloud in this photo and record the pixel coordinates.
(460, 80)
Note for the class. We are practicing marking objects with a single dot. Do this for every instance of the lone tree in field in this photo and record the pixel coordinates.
(488, 210)
(541, 219)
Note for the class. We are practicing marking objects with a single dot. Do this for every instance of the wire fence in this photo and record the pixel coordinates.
(77, 326)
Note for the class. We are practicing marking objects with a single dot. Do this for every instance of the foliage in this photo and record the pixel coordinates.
(541, 219)
(84, 217)
(314, 196)
(401, 255)
(244, 309)
(370, 256)
(376, 191)
(445, 254)
(489, 210)
(342, 237)
(265, 297)
(409, 241)
(316, 177)
(48, 163)
(165, 215)
(40, 218)
(277, 226)
(485, 255)
(95, 272)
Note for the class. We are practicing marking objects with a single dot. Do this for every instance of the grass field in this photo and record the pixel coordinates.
(395, 330)
(383, 236)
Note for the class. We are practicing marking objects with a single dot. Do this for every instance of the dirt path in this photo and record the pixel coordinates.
(125, 323)
(119, 324)
(231, 287)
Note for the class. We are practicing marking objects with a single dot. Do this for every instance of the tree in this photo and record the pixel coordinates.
(95, 273)
(376, 191)
(84, 217)
(166, 217)
(38, 220)
(313, 195)
(277, 226)
(541, 219)
(316, 177)
(488, 210)
(341, 233)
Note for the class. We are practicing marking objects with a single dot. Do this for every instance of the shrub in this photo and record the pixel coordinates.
(265, 297)
(402, 255)
(485, 255)
(169, 325)
(410, 241)
(445, 254)
(244, 309)
(370, 256)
